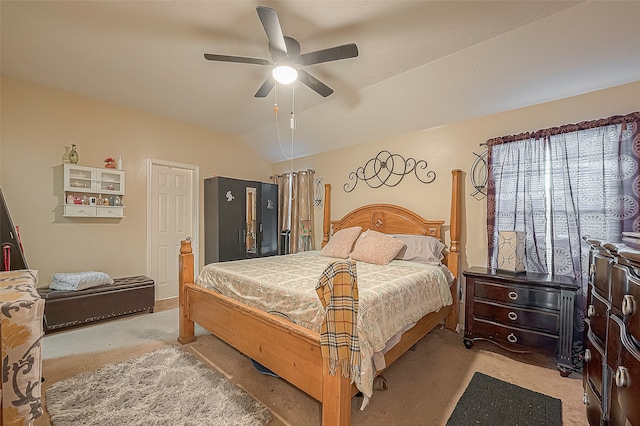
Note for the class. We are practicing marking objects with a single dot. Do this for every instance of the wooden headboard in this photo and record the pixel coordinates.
(392, 219)
(389, 219)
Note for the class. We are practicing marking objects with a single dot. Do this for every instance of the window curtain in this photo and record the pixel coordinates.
(562, 184)
(295, 198)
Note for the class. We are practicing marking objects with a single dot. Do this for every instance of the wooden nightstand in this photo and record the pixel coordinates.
(521, 313)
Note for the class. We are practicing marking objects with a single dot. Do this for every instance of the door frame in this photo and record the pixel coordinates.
(195, 212)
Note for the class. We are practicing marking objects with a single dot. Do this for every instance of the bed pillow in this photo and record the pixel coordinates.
(74, 281)
(376, 247)
(341, 243)
(421, 248)
(360, 239)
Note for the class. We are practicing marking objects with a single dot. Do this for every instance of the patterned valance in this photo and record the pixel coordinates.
(616, 119)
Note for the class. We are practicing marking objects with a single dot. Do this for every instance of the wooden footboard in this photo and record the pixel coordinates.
(296, 356)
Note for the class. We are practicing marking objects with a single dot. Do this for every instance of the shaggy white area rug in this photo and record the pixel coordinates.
(165, 387)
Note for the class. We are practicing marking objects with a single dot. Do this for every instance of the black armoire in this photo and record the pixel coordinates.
(240, 219)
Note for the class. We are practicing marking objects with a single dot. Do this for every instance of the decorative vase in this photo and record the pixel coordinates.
(65, 156)
(73, 155)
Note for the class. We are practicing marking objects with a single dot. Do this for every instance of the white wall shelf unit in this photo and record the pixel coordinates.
(93, 192)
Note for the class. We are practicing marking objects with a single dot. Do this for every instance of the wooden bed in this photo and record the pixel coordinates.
(296, 357)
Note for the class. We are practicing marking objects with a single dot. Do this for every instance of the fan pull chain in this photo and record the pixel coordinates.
(293, 122)
(275, 115)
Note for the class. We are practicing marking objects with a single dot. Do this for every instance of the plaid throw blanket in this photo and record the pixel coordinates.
(338, 291)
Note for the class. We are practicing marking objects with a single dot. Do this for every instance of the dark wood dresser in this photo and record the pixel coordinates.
(612, 334)
(522, 312)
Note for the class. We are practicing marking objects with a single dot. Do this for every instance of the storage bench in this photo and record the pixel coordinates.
(128, 295)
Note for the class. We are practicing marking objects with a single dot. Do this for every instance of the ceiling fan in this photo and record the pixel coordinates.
(285, 52)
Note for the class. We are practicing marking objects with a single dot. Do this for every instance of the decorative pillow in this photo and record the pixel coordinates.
(341, 243)
(421, 248)
(79, 280)
(376, 247)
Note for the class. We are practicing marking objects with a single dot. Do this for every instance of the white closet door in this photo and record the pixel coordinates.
(171, 221)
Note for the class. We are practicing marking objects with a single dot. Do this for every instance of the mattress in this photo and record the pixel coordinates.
(391, 297)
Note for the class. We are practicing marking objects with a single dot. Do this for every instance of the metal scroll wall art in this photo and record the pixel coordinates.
(479, 174)
(318, 192)
(388, 169)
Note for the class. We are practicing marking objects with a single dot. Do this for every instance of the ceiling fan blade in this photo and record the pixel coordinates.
(314, 83)
(332, 54)
(271, 24)
(266, 87)
(241, 59)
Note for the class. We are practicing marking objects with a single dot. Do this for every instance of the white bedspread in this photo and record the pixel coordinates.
(391, 297)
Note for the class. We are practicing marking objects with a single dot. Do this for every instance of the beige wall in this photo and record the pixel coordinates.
(38, 122)
(451, 147)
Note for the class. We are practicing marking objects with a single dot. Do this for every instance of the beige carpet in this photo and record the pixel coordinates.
(424, 385)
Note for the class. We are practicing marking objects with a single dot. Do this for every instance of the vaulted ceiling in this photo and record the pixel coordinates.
(421, 64)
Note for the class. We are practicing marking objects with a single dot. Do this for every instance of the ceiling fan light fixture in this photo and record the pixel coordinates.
(285, 74)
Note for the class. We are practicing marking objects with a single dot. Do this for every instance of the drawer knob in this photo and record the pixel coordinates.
(513, 295)
(628, 305)
(591, 311)
(512, 338)
(587, 355)
(585, 399)
(512, 316)
(622, 377)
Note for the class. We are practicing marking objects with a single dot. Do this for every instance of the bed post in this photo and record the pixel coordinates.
(336, 397)
(185, 272)
(453, 258)
(326, 220)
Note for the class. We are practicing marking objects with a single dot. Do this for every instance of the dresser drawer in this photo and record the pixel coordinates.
(593, 364)
(601, 274)
(516, 336)
(517, 295)
(623, 360)
(594, 405)
(598, 312)
(628, 301)
(528, 318)
(627, 383)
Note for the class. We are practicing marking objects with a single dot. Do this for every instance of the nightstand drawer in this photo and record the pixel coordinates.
(527, 318)
(517, 295)
(517, 336)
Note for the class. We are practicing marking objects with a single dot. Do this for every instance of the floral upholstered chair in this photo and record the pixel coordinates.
(21, 333)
